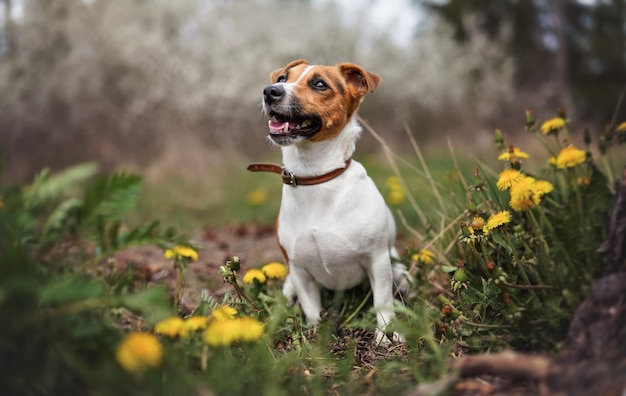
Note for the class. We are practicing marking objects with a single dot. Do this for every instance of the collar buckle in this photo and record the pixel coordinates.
(288, 177)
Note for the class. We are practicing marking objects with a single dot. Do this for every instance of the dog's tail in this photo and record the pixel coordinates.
(402, 278)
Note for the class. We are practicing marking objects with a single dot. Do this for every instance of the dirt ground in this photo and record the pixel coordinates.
(254, 244)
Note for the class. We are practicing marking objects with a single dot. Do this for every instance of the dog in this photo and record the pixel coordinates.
(334, 227)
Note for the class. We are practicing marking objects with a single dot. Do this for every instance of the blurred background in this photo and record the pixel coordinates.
(172, 88)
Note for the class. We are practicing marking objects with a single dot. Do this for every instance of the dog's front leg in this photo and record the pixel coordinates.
(381, 278)
(300, 283)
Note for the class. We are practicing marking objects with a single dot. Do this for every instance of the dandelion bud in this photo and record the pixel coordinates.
(571, 299)
(477, 310)
(518, 228)
(235, 263)
(464, 229)
(225, 271)
(530, 119)
(460, 275)
(498, 136)
(587, 137)
(471, 206)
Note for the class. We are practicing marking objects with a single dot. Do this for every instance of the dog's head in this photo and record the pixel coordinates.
(312, 102)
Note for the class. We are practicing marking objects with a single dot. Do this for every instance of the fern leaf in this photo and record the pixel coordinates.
(109, 197)
(47, 187)
(60, 217)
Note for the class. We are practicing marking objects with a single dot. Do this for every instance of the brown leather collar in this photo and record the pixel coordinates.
(290, 179)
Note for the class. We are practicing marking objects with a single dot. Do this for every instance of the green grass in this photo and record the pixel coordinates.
(191, 205)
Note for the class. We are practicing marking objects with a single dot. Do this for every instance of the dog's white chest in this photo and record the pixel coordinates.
(332, 229)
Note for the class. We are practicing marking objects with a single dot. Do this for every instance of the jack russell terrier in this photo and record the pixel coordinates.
(334, 227)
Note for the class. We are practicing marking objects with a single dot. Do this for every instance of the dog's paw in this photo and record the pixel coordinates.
(383, 340)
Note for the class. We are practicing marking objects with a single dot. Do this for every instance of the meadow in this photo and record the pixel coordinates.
(502, 250)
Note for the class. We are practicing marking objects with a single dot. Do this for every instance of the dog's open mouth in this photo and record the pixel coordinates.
(282, 126)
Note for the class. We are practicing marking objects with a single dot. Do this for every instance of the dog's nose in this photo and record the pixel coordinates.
(273, 93)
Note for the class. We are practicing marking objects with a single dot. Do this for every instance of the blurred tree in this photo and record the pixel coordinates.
(125, 82)
(578, 47)
(7, 37)
(597, 55)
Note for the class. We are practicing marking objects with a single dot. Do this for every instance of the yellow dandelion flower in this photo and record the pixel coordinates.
(478, 223)
(228, 332)
(170, 327)
(498, 219)
(254, 274)
(424, 256)
(393, 183)
(507, 177)
(553, 125)
(523, 194)
(395, 197)
(257, 197)
(621, 127)
(193, 324)
(569, 157)
(519, 203)
(139, 351)
(523, 188)
(221, 332)
(552, 161)
(223, 313)
(179, 251)
(250, 329)
(543, 187)
(513, 154)
(274, 270)
(583, 181)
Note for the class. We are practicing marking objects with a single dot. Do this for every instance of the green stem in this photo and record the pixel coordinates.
(242, 295)
(485, 326)
(581, 214)
(204, 359)
(609, 173)
(357, 310)
(179, 286)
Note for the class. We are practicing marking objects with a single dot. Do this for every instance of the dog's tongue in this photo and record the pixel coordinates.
(278, 126)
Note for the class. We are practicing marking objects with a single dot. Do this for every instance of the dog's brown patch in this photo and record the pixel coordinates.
(333, 93)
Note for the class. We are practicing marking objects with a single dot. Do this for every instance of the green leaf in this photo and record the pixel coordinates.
(448, 268)
(46, 187)
(153, 303)
(70, 288)
(60, 217)
(109, 197)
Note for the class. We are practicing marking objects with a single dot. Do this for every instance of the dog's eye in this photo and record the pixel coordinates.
(281, 79)
(319, 85)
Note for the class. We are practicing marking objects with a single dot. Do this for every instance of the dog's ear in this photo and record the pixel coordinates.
(276, 73)
(361, 80)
